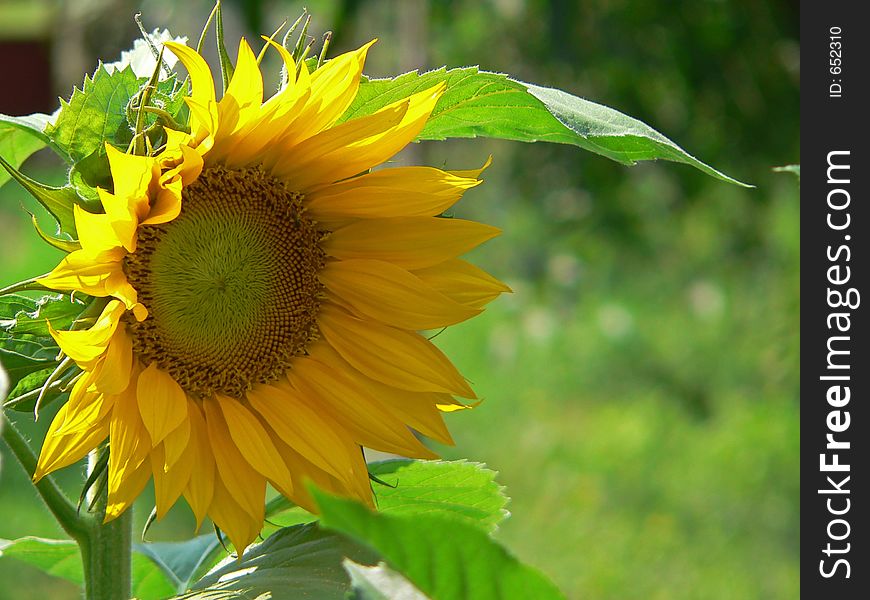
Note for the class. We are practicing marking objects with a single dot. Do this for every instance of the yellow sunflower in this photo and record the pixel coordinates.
(262, 295)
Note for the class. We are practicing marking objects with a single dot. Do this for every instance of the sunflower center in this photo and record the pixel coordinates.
(230, 284)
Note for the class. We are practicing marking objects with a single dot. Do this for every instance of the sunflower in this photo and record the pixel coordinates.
(259, 296)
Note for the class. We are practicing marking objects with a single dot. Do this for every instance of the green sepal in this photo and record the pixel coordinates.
(227, 68)
(62, 244)
(96, 472)
(58, 201)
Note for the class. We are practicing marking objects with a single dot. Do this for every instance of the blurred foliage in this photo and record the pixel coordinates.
(641, 385)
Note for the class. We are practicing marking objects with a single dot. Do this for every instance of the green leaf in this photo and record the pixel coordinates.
(182, 562)
(89, 173)
(19, 138)
(56, 557)
(458, 488)
(296, 562)
(21, 314)
(61, 558)
(482, 104)
(21, 356)
(380, 583)
(23, 398)
(444, 557)
(26, 347)
(96, 114)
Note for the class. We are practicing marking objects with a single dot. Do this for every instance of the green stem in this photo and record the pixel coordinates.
(27, 285)
(105, 547)
(107, 556)
(77, 527)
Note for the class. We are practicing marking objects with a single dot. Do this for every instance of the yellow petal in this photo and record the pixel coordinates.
(202, 86)
(97, 274)
(392, 295)
(367, 152)
(333, 88)
(359, 412)
(132, 177)
(398, 358)
(203, 120)
(130, 446)
(418, 409)
(162, 402)
(244, 94)
(200, 488)
(472, 173)
(95, 231)
(232, 519)
(463, 282)
(184, 171)
(409, 242)
(398, 192)
(59, 451)
(128, 490)
(252, 440)
(248, 144)
(305, 472)
(84, 409)
(298, 159)
(245, 485)
(113, 375)
(312, 434)
(86, 345)
(169, 483)
(176, 442)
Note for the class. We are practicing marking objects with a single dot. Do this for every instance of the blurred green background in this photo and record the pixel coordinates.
(641, 384)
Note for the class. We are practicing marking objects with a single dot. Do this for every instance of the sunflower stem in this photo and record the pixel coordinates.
(107, 550)
(76, 526)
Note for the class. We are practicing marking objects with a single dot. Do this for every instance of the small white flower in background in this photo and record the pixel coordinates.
(615, 321)
(141, 58)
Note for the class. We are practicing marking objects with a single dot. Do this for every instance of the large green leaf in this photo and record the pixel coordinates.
(182, 562)
(380, 583)
(444, 557)
(56, 557)
(19, 138)
(95, 114)
(27, 351)
(61, 558)
(482, 104)
(296, 562)
(458, 488)
(22, 355)
(22, 314)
